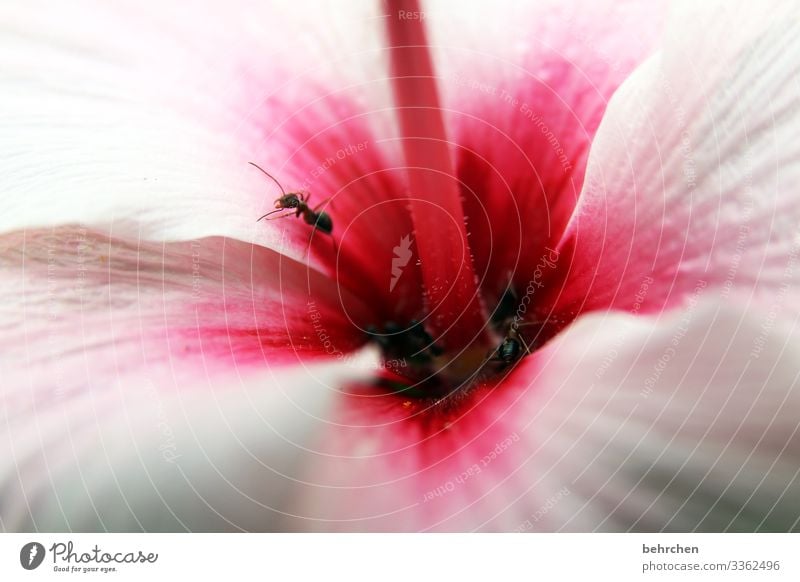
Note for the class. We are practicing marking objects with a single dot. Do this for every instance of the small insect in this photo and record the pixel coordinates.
(511, 349)
(298, 202)
(514, 347)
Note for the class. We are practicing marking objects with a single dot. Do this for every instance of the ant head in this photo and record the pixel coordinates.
(291, 200)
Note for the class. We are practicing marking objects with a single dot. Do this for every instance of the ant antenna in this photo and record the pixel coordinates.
(269, 176)
(273, 212)
(539, 322)
(524, 343)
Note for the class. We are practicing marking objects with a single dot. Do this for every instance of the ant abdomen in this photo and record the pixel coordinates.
(319, 220)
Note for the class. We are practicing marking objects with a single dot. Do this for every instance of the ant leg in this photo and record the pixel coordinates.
(493, 357)
(308, 246)
(538, 322)
(522, 339)
(524, 344)
(529, 323)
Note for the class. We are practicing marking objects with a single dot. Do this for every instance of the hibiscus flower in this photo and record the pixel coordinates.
(558, 292)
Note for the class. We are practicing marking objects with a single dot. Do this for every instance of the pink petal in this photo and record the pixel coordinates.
(225, 301)
(145, 120)
(574, 441)
(526, 87)
(109, 345)
(457, 317)
(692, 177)
(172, 106)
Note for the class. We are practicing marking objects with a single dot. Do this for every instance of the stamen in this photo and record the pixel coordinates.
(458, 319)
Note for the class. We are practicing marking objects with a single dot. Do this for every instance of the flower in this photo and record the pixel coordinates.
(625, 186)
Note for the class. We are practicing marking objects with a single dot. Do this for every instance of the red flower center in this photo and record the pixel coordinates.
(470, 331)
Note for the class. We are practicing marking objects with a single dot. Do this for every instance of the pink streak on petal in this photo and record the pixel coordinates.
(581, 436)
(118, 305)
(435, 201)
(116, 353)
(167, 108)
(327, 149)
(525, 113)
(383, 454)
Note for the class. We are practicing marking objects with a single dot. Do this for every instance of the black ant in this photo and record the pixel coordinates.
(513, 347)
(298, 201)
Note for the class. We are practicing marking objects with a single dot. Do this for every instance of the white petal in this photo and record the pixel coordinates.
(688, 423)
(589, 433)
(167, 449)
(144, 119)
(692, 176)
(117, 357)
